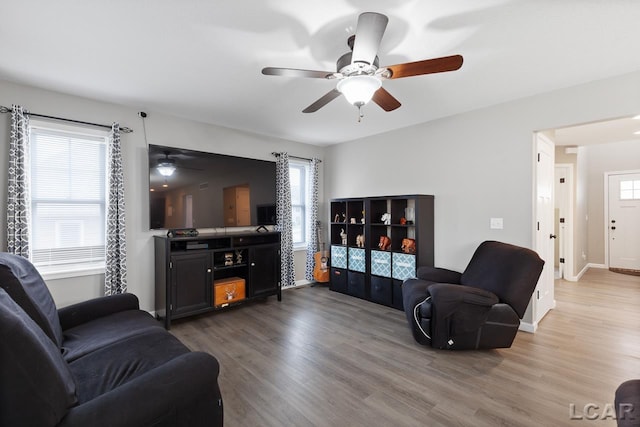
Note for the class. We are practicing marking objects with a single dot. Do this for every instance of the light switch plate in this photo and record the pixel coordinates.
(496, 224)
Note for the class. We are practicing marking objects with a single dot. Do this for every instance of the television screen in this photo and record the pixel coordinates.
(194, 189)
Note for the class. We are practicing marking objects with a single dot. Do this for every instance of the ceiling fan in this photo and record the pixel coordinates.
(358, 74)
(166, 165)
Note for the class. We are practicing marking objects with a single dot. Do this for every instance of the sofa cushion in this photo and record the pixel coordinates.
(24, 284)
(111, 366)
(511, 272)
(104, 331)
(36, 386)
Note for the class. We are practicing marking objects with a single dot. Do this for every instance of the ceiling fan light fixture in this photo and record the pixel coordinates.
(166, 168)
(359, 89)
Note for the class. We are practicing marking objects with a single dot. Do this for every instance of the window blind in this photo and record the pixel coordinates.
(68, 180)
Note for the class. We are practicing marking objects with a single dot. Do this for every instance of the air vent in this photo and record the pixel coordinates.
(203, 185)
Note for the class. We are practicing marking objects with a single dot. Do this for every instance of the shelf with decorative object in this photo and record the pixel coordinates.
(373, 253)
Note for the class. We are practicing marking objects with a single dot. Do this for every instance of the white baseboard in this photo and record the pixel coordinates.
(528, 327)
(298, 283)
(585, 269)
(593, 265)
(574, 278)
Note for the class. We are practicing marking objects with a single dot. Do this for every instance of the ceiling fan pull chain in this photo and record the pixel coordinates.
(360, 115)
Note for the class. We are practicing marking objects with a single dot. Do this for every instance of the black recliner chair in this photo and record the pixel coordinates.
(479, 308)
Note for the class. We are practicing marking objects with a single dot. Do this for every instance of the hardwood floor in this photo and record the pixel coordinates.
(320, 358)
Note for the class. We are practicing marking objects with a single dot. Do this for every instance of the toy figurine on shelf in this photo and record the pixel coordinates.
(403, 221)
(408, 246)
(384, 243)
(228, 258)
(344, 217)
(343, 236)
(386, 219)
(360, 240)
(239, 256)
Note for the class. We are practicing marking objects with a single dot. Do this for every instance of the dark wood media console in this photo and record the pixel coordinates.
(247, 264)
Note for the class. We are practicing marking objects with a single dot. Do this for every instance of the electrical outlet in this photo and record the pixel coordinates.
(496, 224)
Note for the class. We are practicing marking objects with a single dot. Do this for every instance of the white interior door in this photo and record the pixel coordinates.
(624, 221)
(188, 211)
(563, 221)
(544, 299)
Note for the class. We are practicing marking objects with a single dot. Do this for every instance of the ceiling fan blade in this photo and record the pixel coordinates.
(369, 33)
(427, 66)
(327, 98)
(385, 100)
(294, 72)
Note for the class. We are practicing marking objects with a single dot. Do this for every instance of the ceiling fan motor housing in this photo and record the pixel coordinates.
(346, 68)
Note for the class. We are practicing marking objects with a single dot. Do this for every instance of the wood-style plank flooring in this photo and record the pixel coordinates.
(320, 358)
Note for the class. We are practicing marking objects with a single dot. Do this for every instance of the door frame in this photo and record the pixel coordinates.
(606, 209)
(566, 239)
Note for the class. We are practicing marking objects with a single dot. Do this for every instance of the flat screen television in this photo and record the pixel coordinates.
(209, 190)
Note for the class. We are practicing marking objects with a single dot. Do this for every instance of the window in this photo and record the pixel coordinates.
(630, 190)
(300, 192)
(68, 192)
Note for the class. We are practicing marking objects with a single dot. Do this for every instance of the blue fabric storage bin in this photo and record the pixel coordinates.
(338, 256)
(381, 263)
(403, 266)
(357, 260)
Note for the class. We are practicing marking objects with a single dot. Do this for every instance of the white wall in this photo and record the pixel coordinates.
(478, 165)
(161, 130)
(581, 230)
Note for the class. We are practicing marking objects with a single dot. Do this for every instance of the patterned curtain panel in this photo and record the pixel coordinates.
(115, 275)
(18, 184)
(313, 220)
(283, 218)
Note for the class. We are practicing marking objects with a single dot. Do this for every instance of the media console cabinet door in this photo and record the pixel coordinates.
(264, 273)
(190, 282)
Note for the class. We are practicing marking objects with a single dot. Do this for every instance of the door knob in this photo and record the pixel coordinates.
(552, 236)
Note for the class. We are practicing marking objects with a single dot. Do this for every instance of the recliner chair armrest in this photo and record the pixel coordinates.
(438, 275)
(85, 311)
(447, 293)
(182, 392)
(457, 310)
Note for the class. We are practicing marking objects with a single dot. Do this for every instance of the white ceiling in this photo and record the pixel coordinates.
(202, 59)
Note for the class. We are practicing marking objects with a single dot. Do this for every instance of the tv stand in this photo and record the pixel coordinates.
(190, 269)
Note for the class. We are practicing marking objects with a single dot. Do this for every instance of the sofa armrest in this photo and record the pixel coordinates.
(182, 392)
(85, 311)
(438, 275)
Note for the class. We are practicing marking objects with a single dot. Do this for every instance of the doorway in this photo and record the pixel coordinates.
(622, 221)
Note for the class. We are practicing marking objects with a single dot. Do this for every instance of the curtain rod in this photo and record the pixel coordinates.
(4, 109)
(275, 153)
